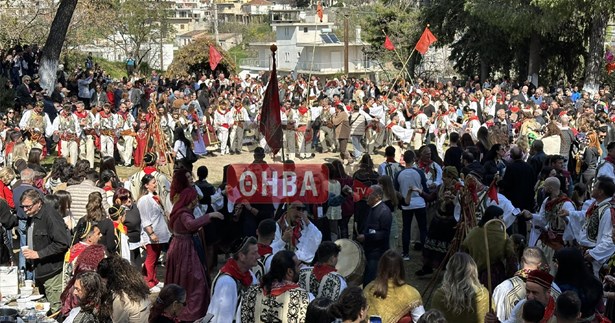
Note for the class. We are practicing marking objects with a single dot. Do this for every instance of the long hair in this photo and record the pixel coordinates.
(390, 267)
(281, 262)
(96, 299)
(107, 163)
(168, 295)
(340, 168)
(57, 168)
(483, 137)
(594, 142)
(178, 134)
(144, 181)
(460, 283)
(390, 193)
(64, 201)
(94, 207)
(122, 277)
(34, 157)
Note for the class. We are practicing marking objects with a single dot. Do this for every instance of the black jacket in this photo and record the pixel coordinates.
(518, 184)
(378, 228)
(50, 239)
(133, 224)
(7, 222)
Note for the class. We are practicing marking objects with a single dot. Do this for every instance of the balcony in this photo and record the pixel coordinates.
(335, 67)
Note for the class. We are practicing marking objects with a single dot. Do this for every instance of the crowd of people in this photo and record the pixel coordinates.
(511, 187)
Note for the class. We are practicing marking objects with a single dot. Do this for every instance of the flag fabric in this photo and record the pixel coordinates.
(492, 193)
(388, 44)
(271, 123)
(427, 38)
(214, 57)
(319, 11)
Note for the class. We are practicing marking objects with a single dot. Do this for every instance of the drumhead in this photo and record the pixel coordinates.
(349, 258)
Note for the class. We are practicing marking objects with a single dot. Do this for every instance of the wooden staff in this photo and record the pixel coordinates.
(489, 285)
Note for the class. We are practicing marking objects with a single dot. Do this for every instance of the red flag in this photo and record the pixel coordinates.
(214, 57)
(388, 44)
(492, 193)
(271, 123)
(427, 38)
(319, 11)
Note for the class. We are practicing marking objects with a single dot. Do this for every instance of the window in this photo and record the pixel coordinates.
(286, 57)
(181, 26)
(305, 29)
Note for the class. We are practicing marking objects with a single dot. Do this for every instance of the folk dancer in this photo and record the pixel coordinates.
(66, 128)
(440, 130)
(375, 130)
(223, 120)
(233, 280)
(304, 132)
(162, 181)
(419, 123)
(288, 116)
(279, 298)
(326, 134)
(552, 230)
(593, 226)
(107, 124)
(538, 286)
(323, 280)
(240, 122)
(358, 126)
(295, 232)
(400, 133)
(126, 125)
(88, 134)
(37, 124)
(266, 234)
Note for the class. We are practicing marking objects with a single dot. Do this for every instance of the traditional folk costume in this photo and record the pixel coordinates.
(471, 126)
(545, 280)
(304, 241)
(227, 290)
(88, 136)
(289, 123)
(594, 229)
(121, 231)
(69, 132)
(286, 303)
(125, 144)
(141, 148)
(418, 123)
(240, 122)
(376, 128)
(507, 294)
(162, 182)
(106, 127)
(38, 126)
(402, 134)
(440, 131)
(264, 261)
(326, 134)
(223, 120)
(322, 280)
(304, 132)
(197, 135)
(607, 168)
(400, 301)
(552, 230)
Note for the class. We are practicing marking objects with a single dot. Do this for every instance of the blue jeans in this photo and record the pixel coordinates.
(22, 230)
(372, 258)
(421, 219)
(356, 144)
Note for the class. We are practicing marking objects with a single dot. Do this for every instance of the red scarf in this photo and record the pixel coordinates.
(280, 288)
(108, 188)
(554, 202)
(82, 114)
(103, 114)
(390, 125)
(120, 227)
(591, 210)
(549, 311)
(231, 268)
(157, 199)
(610, 159)
(296, 234)
(321, 270)
(425, 167)
(303, 110)
(123, 114)
(473, 118)
(148, 170)
(264, 249)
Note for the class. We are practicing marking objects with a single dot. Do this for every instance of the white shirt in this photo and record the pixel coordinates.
(502, 290)
(306, 247)
(603, 248)
(410, 178)
(224, 303)
(23, 123)
(606, 169)
(152, 214)
(179, 147)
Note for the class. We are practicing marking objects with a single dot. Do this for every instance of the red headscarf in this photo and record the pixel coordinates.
(187, 196)
(178, 183)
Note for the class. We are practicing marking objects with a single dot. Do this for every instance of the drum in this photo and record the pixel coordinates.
(351, 261)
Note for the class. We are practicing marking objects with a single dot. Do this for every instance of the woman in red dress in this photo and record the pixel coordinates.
(141, 142)
(186, 255)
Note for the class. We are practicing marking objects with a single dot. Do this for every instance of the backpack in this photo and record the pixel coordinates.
(190, 156)
(392, 170)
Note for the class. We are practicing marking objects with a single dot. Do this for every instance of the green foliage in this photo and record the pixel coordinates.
(7, 96)
(253, 32)
(116, 70)
(194, 58)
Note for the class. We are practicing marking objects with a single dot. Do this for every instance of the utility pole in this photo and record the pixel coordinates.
(217, 38)
(346, 70)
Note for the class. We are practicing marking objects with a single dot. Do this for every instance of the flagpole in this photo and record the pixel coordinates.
(396, 52)
(312, 63)
(399, 74)
(273, 50)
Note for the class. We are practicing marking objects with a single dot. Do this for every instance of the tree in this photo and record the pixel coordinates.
(194, 58)
(53, 46)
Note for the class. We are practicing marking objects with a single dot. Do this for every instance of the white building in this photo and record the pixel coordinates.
(311, 47)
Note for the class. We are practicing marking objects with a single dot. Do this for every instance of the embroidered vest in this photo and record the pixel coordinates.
(67, 124)
(592, 224)
(261, 266)
(288, 307)
(37, 121)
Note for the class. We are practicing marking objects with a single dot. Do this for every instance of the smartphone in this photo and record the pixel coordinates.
(375, 319)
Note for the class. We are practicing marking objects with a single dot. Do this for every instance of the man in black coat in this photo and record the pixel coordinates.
(518, 185)
(537, 161)
(7, 222)
(376, 232)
